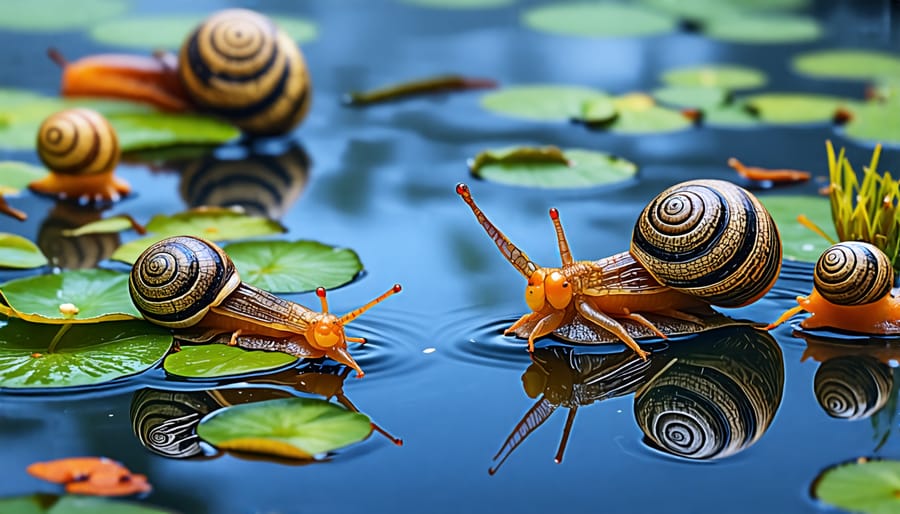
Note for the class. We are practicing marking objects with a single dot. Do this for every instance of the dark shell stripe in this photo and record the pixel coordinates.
(853, 273)
(199, 56)
(77, 141)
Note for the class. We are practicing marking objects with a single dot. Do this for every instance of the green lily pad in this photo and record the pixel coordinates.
(289, 427)
(159, 129)
(875, 122)
(584, 168)
(639, 114)
(692, 96)
(292, 267)
(726, 76)
(221, 360)
(98, 295)
(542, 102)
(731, 115)
(72, 504)
(169, 32)
(699, 10)
(847, 64)
(759, 29)
(887, 89)
(868, 486)
(209, 223)
(789, 108)
(798, 242)
(598, 20)
(460, 4)
(15, 176)
(19, 252)
(111, 225)
(43, 355)
(55, 15)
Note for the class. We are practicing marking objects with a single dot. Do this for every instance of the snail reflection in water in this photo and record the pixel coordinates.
(707, 397)
(698, 243)
(75, 252)
(237, 64)
(191, 285)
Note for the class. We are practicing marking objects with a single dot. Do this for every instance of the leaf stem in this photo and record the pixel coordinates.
(59, 335)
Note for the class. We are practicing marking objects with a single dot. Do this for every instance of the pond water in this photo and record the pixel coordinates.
(381, 180)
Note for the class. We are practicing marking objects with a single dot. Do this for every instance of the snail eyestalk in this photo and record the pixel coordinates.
(564, 254)
(352, 315)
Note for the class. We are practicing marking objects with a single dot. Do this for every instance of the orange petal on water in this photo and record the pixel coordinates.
(129, 484)
(71, 469)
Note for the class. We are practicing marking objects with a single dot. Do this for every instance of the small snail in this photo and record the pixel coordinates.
(81, 149)
(697, 243)
(237, 64)
(191, 285)
(851, 291)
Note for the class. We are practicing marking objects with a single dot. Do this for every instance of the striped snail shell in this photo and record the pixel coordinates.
(165, 422)
(711, 239)
(78, 141)
(853, 386)
(853, 273)
(175, 281)
(238, 65)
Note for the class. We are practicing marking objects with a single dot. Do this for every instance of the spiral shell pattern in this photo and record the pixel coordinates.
(853, 386)
(165, 422)
(78, 141)
(238, 65)
(711, 239)
(853, 273)
(176, 281)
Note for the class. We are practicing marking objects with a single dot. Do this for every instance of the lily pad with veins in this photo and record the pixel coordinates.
(298, 266)
(71, 296)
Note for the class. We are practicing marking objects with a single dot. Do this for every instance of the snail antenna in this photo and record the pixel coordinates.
(352, 315)
(513, 254)
(535, 417)
(565, 436)
(320, 292)
(564, 254)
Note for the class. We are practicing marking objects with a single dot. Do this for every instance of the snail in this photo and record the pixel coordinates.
(191, 285)
(852, 285)
(237, 64)
(698, 243)
(81, 149)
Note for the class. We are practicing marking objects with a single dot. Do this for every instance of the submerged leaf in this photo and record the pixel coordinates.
(763, 29)
(15, 176)
(98, 295)
(538, 167)
(297, 428)
(869, 486)
(799, 242)
(725, 76)
(43, 355)
(598, 20)
(221, 360)
(19, 252)
(542, 102)
(847, 64)
(282, 266)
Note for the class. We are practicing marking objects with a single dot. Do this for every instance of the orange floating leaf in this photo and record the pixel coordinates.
(97, 476)
(772, 175)
(103, 486)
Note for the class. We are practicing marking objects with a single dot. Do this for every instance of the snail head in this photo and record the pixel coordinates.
(548, 286)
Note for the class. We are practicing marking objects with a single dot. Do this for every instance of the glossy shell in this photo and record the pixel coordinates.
(238, 65)
(711, 239)
(78, 141)
(176, 280)
(853, 273)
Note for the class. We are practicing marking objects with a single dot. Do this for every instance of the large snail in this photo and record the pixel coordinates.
(851, 291)
(698, 243)
(81, 149)
(191, 285)
(237, 64)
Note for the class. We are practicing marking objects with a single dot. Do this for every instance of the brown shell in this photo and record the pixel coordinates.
(853, 273)
(78, 141)
(176, 281)
(711, 239)
(240, 66)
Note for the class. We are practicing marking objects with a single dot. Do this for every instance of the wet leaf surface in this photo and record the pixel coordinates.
(41, 355)
(19, 252)
(55, 15)
(297, 428)
(598, 20)
(725, 76)
(155, 130)
(872, 487)
(797, 107)
(15, 176)
(755, 29)
(542, 102)
(221, 360)
(112, 225)
(584, 168)
(798, 242)
(98, 295)
(847, 64)
(293, 267)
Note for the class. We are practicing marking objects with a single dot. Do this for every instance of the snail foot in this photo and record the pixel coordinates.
(86, 188)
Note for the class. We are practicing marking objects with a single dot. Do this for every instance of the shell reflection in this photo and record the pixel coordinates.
(75, 252)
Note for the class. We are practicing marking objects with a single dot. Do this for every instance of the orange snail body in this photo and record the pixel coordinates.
(191, 285)
(81, 149)
(851, 291)
(698, 243)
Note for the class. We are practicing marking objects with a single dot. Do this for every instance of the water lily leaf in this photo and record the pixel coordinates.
(293, 267)
(598, 110)
(876, 123)
(797, 107)
(288, 427)
(460, 4)
(221, 360)
(731, 115)
(798, 242)
(598, 20)
(210, 223)
(72, 504)
(639, 114)
(158, 129)
(169, 32)
(868, 486)
(758, 29)
(111, 225)
(55, 15)
(542, 102)
(692, 96)
(97, 295)
(15, 176)
(847, 64)
(19, 252)
(580, 168)
(44, 355)
(698, 10)
(726, 76)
